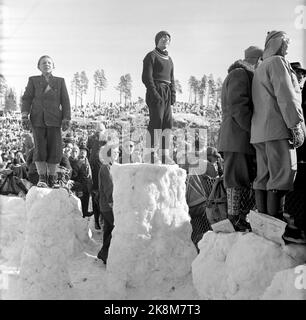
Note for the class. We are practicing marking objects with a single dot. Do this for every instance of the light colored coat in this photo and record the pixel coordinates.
(277, 100)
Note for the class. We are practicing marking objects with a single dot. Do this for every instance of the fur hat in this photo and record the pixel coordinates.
(159, 35)
(253, 52)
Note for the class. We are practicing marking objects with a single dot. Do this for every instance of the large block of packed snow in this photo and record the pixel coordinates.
(12, 221)
(52, 234)
(241, 265)
(151, 247)
(289, 284)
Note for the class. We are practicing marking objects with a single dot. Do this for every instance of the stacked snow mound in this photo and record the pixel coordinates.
(53, 235)
(241, 266)
(12, 220)
(151, 246)
(288, 284)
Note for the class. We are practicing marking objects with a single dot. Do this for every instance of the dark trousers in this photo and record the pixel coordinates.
(108, 226)
(239, 169)
(48, 144)
(160, 113)
(296, 200)
(85, 203)
(199, 223)
(95, 205)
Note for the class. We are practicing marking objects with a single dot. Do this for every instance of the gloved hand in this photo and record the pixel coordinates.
(25, 122)
(65, 124)
(297, 136)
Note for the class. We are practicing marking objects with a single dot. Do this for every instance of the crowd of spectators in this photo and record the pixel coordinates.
(81, 163)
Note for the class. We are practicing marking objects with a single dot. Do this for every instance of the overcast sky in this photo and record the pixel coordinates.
(115, 35)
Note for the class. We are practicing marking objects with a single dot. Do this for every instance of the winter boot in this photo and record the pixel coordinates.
(261, 200)
(42, 182)
(294, 236)
(239, 223)
(233, 207)
(97, 225)
(276, 203)
(52, 181)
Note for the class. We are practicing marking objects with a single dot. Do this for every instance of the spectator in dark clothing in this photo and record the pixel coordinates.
(295, 200)
(158, 77)
(81, 175)
(94, 144)
(235, 130)
(108, 155)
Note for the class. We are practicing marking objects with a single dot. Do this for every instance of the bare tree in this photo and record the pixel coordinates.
(202, 88)
(100, 83)
(178, 87)
(3, 88)
(193, 88)
(75, 86)
(211, 90)
(83, 85)
(10, 100)
(218, 90)
(125, 87)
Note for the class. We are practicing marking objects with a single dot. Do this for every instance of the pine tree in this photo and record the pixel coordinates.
(100, 83)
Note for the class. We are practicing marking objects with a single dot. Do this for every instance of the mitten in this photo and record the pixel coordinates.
(65, 124)
(297, 135)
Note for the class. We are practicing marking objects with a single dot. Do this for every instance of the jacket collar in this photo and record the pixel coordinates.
(241, 64)
(51, 80)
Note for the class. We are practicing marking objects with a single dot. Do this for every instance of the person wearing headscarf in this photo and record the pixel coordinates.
(94, 143)
(276, 126)
(234, 137)
(158, 77)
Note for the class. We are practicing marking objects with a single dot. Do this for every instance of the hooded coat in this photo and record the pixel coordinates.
(276, 97)
(237, 108)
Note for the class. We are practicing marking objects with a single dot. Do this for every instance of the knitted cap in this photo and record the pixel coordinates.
(159, 36)
(273, 35)
(253, 52)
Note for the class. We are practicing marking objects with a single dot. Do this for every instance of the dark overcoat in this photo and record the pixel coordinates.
(47, 108)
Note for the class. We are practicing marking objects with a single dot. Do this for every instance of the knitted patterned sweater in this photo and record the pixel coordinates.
(157, 65)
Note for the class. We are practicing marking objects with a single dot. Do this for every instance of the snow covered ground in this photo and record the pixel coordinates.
(48, 251)
(246, 266)
(150, 255)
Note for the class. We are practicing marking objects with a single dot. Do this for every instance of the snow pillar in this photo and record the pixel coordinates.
(49, 238)
(238, 265)
(151, 246)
